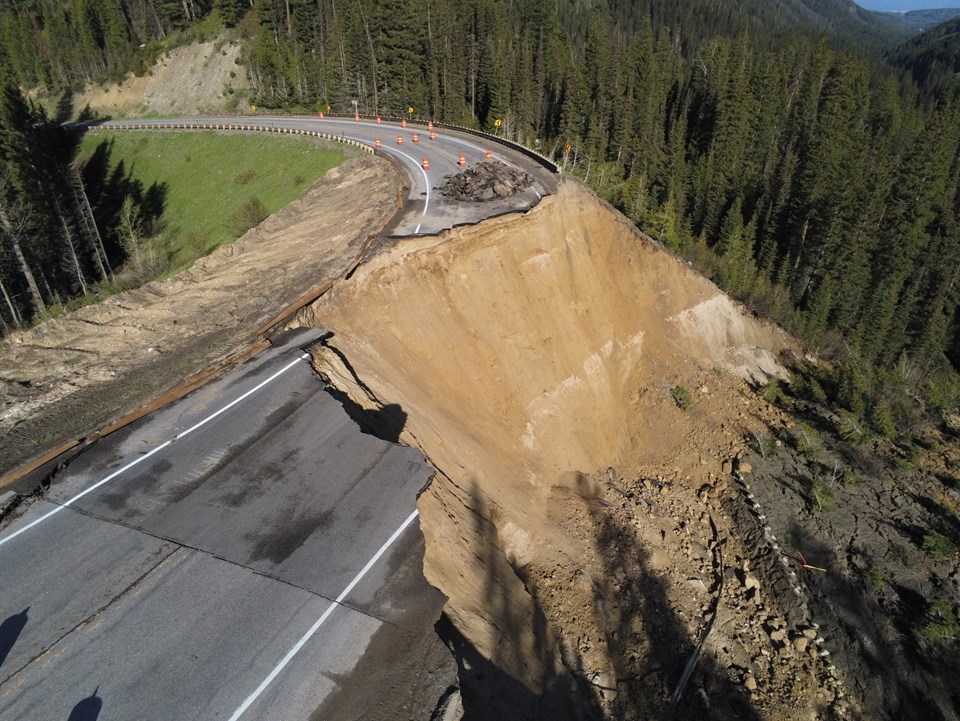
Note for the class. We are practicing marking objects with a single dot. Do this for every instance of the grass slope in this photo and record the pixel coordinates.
(207, 177)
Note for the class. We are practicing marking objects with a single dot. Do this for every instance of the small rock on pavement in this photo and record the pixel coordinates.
(6, 499)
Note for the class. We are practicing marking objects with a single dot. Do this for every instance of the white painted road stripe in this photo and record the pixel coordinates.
(326, 614)
(159, 448)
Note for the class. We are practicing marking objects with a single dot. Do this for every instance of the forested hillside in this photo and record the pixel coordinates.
(52, 248)
(932, 60)
(768, 141)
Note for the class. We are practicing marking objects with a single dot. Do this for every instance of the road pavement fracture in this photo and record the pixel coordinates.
(232, 556)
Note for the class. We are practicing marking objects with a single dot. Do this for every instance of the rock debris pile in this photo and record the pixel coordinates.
(485, 181)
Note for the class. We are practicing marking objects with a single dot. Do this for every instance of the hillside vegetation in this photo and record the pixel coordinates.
(932, 60)
(212, 187)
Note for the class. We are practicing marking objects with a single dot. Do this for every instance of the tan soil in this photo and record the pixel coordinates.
(66, 376)
(527, 356)
(192, 79)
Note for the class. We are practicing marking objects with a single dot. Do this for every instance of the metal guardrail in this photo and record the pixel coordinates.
(248, 127)
(132, 125)
(529, 152)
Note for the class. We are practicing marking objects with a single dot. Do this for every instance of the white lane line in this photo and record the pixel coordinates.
(326, 614)
(145, 456)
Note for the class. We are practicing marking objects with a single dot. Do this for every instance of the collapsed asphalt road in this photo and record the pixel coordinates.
(244, 549)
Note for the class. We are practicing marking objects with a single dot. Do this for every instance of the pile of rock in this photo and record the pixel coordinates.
(485, 181)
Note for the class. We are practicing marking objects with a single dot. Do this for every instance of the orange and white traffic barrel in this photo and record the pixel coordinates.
(489, 155)
(416, 138)
(426, 163)
(463, 161)
(377, 144)
(399, 140)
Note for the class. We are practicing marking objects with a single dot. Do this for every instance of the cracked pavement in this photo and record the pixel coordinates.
(174, 589)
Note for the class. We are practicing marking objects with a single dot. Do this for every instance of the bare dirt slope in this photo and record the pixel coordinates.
(61, 378)
(197, 78)
(533, 358)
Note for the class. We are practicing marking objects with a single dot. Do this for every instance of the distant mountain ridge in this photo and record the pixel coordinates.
(932, 58)
(842, 21)
(921, 20)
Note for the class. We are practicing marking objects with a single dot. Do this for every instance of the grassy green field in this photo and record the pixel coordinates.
(207, 178)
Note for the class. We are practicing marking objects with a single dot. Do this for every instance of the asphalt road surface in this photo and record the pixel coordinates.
(425, 210)
(237, 555)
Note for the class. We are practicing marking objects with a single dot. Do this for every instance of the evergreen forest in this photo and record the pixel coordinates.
(802, 153)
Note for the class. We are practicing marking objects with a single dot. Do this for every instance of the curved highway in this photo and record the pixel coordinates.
(425, 210)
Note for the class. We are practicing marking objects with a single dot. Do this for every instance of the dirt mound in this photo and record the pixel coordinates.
(528, 355)
(67, 376)
(197, 78)
(487, 180)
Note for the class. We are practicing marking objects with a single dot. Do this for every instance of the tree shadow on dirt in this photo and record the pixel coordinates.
(491, 687)
(883, 660)
(107, 187)
(649, 643)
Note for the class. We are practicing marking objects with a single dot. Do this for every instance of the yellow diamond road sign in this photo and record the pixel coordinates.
(498, 122)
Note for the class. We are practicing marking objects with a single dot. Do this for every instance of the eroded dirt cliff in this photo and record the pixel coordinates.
(584, 395)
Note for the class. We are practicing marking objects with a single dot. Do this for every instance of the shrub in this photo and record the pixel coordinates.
(244, 176)
(851, 428)
(249, 215)
(682, 397)
(773, 394)
(941, 624)
(822, 494)
(938, 546)
(805, 440)
(881, 418)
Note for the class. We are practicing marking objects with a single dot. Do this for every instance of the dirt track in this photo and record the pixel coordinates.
(70, 376)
